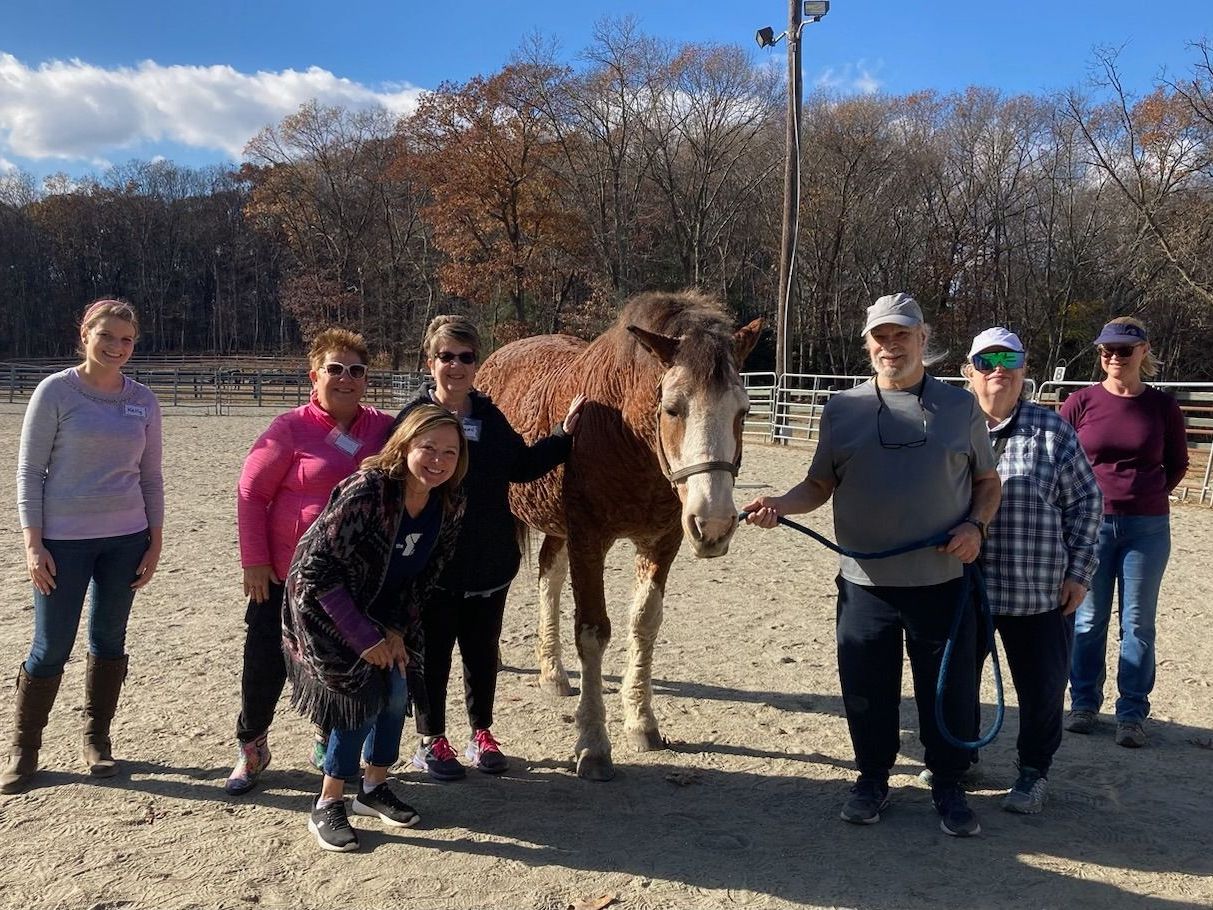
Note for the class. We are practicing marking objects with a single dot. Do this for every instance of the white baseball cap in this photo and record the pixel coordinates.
(997, 337)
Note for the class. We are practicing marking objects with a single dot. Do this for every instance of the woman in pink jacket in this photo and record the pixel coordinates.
(287, 479)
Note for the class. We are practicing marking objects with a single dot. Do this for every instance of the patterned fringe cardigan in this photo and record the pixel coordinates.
(348, 547)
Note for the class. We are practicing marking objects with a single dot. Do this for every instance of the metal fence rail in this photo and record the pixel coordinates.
(793, 410)
(217, 390)
(788, 414)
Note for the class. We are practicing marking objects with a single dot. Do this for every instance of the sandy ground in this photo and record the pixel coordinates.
(741, 811)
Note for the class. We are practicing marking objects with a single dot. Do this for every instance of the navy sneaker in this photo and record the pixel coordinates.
(484, 754)
(955, 816)
(438, 759)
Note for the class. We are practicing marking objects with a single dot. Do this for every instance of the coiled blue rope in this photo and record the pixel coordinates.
(973, 580)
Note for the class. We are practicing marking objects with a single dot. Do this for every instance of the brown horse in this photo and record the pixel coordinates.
(655, 457)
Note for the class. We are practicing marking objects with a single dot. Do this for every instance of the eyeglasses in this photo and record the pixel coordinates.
(337, 370)
(992, 360)
(468, 357)
(913, 444)
(1124, 351)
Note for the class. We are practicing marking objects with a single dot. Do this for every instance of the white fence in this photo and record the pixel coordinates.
(790, 414)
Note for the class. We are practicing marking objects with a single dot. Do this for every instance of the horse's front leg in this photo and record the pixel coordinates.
(553, 569)
(593, 630)
(653, 560)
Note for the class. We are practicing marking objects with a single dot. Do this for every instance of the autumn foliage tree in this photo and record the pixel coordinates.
(496, 200)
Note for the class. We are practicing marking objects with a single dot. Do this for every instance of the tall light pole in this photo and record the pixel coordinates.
(800, 13)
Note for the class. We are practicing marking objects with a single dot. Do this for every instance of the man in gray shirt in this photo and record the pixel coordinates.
(906, 458)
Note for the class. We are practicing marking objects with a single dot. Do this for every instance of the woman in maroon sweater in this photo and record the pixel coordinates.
(1134, 437)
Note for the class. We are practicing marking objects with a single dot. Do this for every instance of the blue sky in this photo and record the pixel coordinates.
(86, 84)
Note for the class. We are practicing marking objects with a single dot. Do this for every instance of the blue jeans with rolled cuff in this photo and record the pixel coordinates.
(101, 569)
(1133, 551)
(378, 739)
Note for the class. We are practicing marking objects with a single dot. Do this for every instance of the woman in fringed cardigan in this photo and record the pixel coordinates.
(351, 621)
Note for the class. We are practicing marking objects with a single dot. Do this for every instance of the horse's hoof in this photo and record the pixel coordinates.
(647, 740)
(595, 767)
(558, 686)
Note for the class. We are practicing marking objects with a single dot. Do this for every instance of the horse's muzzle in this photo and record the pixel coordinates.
(710, 536)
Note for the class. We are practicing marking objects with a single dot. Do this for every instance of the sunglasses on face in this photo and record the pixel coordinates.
(337, 370)
(1117, 350)
(992, 360)
(468, 357)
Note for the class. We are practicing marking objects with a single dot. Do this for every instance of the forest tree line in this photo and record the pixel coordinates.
(538, 197)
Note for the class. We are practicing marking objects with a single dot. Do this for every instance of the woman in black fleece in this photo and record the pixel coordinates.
(469, 602)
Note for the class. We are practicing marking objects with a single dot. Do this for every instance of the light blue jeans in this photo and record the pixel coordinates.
(378, 738)
(1133, 552)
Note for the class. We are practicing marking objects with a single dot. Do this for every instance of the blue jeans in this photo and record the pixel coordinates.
(1133, 552)
(103, 567)
(378, 738)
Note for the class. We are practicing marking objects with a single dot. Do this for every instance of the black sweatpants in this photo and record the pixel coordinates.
(264, 673)
(475, 623)
(872, 622)
(1037, 651)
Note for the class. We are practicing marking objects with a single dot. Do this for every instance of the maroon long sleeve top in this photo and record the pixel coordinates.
(1137, 446)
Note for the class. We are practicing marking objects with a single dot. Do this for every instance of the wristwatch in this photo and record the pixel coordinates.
(979, 525)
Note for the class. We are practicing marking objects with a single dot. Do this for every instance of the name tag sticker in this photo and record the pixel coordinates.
(471, 429)
(135, 410)
(343, 441)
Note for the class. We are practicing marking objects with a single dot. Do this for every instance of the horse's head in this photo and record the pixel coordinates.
(701, 410)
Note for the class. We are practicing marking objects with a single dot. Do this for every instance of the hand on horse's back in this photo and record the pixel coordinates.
(573, 417)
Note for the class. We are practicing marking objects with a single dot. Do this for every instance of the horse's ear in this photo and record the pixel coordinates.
(663, 347)
(744, 340)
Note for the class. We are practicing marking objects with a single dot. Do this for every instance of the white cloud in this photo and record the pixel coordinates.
(6, 166)
(73, 110)
(857, 78)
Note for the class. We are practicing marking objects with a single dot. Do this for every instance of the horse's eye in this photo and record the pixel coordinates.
(671, 412)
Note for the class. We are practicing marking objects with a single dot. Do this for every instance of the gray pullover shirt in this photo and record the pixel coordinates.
(89, 463)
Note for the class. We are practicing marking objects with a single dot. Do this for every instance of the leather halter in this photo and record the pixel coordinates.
(703, 467)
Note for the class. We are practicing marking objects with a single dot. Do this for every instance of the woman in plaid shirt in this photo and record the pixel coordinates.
(1039, 557)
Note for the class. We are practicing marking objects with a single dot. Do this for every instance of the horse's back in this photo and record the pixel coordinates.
(523, 379)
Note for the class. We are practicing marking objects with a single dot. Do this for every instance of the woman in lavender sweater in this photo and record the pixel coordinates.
(1134, 437)
(91, 501)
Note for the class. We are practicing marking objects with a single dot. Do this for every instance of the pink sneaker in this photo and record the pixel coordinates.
(484, 754)
(438, 759)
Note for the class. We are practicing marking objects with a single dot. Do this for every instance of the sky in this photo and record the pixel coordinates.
(86, 85)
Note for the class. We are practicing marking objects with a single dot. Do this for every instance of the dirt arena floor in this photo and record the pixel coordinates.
(740, 811)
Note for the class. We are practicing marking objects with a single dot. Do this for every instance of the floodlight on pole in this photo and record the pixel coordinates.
(800, 13)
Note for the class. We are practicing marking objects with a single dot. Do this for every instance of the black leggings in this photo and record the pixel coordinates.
(264, 674)
(474, 622)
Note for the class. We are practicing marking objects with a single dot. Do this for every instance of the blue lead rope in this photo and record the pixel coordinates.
(973, 580)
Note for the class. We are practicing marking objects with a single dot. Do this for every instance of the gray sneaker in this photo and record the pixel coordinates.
(1130, 734)
(1027, 794)
(1082, 721)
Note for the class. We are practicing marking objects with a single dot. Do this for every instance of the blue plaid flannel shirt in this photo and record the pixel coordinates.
(1048, 523)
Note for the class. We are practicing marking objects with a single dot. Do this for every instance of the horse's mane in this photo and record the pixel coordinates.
(700, 321)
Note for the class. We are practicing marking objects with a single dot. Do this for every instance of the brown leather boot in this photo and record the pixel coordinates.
(102, 682)
(33, 706)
